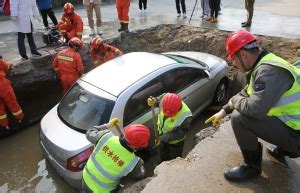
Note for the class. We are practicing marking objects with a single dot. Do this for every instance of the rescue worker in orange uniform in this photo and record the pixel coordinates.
(7, 97)
(71, 24)
(68, 64)
(114, 158)
(123, 10)
(102, 52)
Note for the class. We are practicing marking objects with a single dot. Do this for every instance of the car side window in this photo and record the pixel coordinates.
(137, 104)
(178, 79)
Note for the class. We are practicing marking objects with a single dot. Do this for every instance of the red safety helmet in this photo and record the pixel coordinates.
(237, 40)
(171, 104)
(95, 42)
(69, 8)
(75, 43)
(137, 135)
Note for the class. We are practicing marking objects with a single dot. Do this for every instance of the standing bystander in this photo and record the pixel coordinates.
(214, 10)
(123, 10)
(182, 2)
(249, 5)
(143, 4)
(45, 8)
(205, 8)
(22, 14)
(91, 5)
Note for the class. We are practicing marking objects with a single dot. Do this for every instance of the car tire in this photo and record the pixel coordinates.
(220, 95)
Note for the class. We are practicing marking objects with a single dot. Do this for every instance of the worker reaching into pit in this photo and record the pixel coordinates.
(114, 157)
(102, 52)
(68, 64)
(8, 97)
(173, 122)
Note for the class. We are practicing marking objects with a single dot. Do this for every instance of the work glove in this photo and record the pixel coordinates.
(151, 101)
(156, 142)
(216, 118)
(113, 122)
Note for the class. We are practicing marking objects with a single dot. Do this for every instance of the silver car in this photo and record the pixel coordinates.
(120, 88)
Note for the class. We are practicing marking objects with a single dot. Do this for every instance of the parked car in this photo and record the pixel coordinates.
(120, 88)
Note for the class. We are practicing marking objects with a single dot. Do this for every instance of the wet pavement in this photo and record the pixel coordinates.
(21, 159)
(272, 18)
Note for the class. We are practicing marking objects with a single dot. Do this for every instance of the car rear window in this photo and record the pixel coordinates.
(184, 60)
(81, 109)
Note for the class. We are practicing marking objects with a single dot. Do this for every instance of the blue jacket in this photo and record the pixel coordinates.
(44, 4)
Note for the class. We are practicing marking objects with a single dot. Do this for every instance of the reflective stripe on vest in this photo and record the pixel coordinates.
(172, 122)
(287, 108)
(94, 170)
(18, 112)
(4, 116)
(65, 58)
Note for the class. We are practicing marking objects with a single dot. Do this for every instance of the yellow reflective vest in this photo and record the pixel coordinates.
(287, 108)
(109, 162)
(172, 122)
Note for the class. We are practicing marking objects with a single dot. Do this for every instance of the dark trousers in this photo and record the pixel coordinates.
(247, 131)
(170, 151)
(21, 43)
(141, 3)
(214, 7)
(50, 13)
(182, 2)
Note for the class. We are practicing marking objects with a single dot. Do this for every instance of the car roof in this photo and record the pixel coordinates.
(118, 74)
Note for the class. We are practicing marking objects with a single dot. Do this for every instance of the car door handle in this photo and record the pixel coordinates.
(185, 98)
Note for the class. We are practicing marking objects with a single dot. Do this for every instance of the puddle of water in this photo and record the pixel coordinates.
(23, 168)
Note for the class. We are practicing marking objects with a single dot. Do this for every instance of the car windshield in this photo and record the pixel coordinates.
(81, 109)
(184, 60)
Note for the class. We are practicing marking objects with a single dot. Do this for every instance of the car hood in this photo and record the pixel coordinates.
(60, 135)
(210, 60)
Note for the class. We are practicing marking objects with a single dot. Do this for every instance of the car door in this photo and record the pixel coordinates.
(137, 110)
(192, 84)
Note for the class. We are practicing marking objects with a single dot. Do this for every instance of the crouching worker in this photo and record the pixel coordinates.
(173, 122)
(68, 64)
(114, 157)
(7, 97)
(102, 52)
(71, 24)
(267, 108)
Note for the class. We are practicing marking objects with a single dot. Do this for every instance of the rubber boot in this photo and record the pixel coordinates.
(122, 27)
(279, 153)
(251, 167)
(247, 24)
(126, 28)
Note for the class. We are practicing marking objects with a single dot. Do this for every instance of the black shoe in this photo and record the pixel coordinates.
(243, 23)
(247, 24)
(25, 58)
(242, 173)
(279, 153)
(36, 54)
(251, 167)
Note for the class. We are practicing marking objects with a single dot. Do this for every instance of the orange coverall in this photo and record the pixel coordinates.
(106, 53)
(68, 65)
(123, 9)
(7, 97)
(71, 27)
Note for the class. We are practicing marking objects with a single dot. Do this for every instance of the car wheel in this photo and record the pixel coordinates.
(220, 93)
